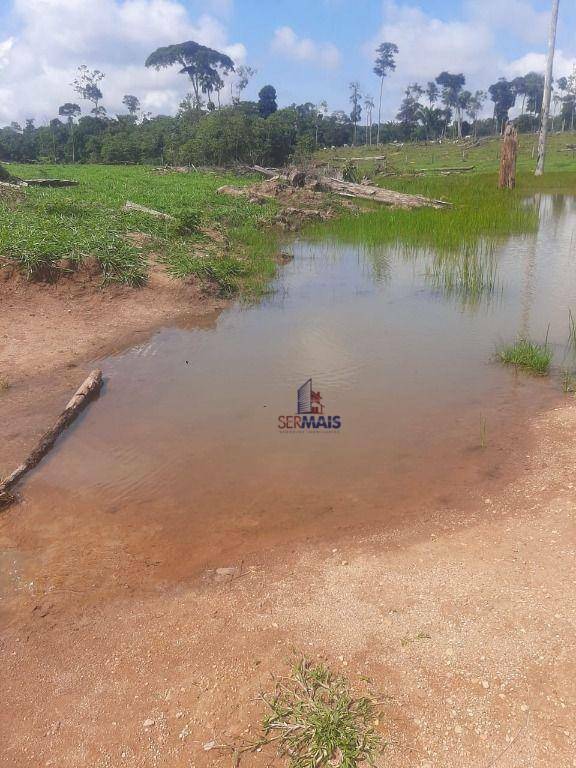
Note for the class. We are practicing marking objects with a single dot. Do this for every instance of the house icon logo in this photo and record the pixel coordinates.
(309, 414)
(308, 400)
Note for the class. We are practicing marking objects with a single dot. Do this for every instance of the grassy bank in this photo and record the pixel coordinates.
(229, 240)
(215, 236)
(481, 213)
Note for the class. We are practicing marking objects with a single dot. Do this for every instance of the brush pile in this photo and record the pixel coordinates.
(307, 186)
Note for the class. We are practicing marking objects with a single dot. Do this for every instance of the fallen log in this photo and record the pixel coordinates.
(52, 183)
(359, 159)
(458, 169)
(379, 195)
(89, 389)
(268, 172)
(12, 185)
(130, 207)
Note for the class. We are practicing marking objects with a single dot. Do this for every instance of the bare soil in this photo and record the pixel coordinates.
(464, 621)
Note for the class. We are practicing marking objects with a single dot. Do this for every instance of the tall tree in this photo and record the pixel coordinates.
(355, 99)
(384, 64)
(132, 104)
(519, 85)
(452, 86)
(432, 93)
(70, 111)
(475, 104)
(87, 86)
(547, 90)
(267, 101)
(503, 94)
(368, 107)
(203, 65)
(243, 76)
(321, 112)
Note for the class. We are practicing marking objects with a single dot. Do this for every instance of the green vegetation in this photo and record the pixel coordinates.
(528, 355)
(317, 721)
(228, 240)
(481, 216)
(88, 220)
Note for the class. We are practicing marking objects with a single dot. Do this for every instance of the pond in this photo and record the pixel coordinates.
(185, 450)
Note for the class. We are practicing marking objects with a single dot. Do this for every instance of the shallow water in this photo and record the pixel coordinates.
(184, 451)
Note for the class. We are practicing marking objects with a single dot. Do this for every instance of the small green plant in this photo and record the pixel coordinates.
(528, 355)
(4, 384)
(568, 382)
(187, 223)
(317, 721)
(351, 172)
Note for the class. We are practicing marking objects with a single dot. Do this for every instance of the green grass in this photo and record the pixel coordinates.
(528, 355)
(481, 216)
(52, 224)
(316, 721)
(76, 222)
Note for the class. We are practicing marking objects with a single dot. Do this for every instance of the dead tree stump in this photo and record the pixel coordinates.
(508, 153)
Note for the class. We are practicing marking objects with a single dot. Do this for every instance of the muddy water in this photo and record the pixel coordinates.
(181, 463)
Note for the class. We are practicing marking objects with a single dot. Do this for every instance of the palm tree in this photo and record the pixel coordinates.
(368, 106)
(547, 89)
(384, 64)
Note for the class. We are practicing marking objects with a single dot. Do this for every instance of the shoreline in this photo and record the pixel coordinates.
(464, 624)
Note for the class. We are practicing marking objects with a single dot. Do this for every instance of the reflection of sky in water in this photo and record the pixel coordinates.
(400, 361)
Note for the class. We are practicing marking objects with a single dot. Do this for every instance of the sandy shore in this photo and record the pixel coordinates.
(465, 621)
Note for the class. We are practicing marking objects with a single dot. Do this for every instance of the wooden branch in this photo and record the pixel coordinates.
(268, 172)
(379, 195)
(51, 183)
(89, 389)
(458, 169)
(135, 208)
(359, 159)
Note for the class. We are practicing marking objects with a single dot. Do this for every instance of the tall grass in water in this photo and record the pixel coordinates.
(480, 216)
(528, 355)
(467, 277)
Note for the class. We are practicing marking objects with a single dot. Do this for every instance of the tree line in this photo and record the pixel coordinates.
(205, 131)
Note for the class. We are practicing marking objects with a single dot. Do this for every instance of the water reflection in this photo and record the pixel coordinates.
(395, 342)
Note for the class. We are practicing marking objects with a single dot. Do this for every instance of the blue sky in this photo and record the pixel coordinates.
(308, 49)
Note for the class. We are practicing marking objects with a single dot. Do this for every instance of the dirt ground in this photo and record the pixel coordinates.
(464, 622)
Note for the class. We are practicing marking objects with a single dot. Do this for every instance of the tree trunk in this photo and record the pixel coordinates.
(547, 90)
(508, 153)
(379, 112)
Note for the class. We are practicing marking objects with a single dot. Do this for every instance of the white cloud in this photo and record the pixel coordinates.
(536, 62)
(516, 18)
(472, 44)
(428, 45)
(287, 43)
(38, 64)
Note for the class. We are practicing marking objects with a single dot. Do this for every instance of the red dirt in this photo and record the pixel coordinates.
(465, 620)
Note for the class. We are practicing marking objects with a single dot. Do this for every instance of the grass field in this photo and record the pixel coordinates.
(52, 224)
(55, 223)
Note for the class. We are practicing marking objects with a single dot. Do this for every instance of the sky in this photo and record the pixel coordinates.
(310, 50)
